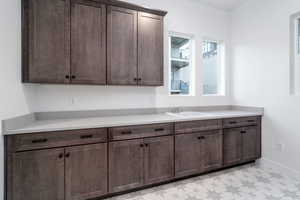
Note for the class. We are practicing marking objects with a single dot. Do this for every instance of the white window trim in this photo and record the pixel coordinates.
(191, 37)
(223, 71)
(294, 55)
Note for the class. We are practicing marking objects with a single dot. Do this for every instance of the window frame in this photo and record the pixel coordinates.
(295, 54)
(190, 37)
(221, 87)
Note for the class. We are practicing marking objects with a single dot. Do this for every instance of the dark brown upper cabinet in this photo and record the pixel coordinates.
(45, 41)
(91, 42)
(88, 42)
(121, 46)
(150, 49)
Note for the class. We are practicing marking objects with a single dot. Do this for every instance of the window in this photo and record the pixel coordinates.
(298, 35)
(295, 54)
(214, 64)
(181, 64)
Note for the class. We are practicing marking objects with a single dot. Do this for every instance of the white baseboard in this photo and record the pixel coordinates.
(267, 163)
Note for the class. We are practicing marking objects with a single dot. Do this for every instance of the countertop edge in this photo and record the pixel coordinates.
(112, 125)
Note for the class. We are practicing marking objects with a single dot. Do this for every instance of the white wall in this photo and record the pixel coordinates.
(186, 16)
(15, 98)
(260, 74)
(18, 99)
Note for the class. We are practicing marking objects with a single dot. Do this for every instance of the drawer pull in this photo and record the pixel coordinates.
(86, 136)
(141, 145)
(67, 155)
(243, 132)
(61, 156)
(126, 132)
(159, 129)
(232, 122)
(201, 138)
(39, 141)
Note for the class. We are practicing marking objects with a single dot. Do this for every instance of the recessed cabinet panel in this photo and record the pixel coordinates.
(150, 49)
(86, 171)
(159, 159)
(121, 46)
(187, 155)
(232, 146)
(46, 41)
(125, 165)
(250, 143)
(212, 145)
(38, 175)
(88, 42)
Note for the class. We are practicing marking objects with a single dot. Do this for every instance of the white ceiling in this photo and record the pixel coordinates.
(223, 4)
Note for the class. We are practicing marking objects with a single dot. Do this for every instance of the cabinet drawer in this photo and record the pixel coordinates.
(239, 122)
(196, 126)
(134, 132)
(56, 139)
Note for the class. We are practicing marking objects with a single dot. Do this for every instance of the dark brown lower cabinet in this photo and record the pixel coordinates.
(38, 175)
(212, 145)
(125, 165)
(135, 163)
(198, 152)
(73, 173)
(159, 159)
(232, 146)
(187, 155)
(250, 143)
(240, 145)
(81, 164)
(86, 171)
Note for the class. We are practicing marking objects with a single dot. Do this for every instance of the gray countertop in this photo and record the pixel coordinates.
(115, 121)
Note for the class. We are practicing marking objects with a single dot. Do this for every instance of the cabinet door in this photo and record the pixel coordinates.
(38, 175)
(232, 146)
(212, 148)
(159, 159)
(88, 42)
(125, 165)
(46, 41)
(187, 155)
(121, 46)
(250, 143)
(86, 171)
(150, 49)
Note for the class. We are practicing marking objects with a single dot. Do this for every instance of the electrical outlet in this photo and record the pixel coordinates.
(280, 147)
(73, 101)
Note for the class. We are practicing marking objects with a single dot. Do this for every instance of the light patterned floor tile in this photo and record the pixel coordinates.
(249, 182)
